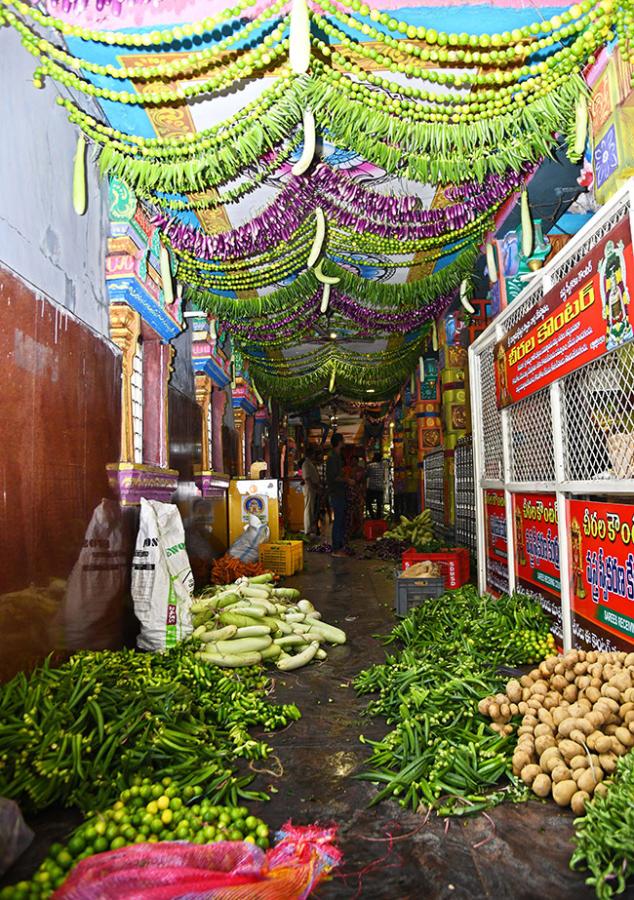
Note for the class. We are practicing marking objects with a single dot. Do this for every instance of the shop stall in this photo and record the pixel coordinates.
(552, 391)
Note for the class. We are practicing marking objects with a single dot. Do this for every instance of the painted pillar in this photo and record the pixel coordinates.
(218, 403)
(239, 417)
(203, 399)
(248, 442)
(125, 328)
(157, 359)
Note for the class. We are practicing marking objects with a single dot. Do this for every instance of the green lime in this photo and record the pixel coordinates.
(55, 849)
(235, 835)
(166, 816)
(117, 843)
(157, 826)
(176, 803)
(100, 827)
(112, 831)
(166, 782)
(140, 839)
(251, 822)
(157, 790)
(64, 859)
(182, 832)
(163, 802)
(101, 844)
(262, 831)
(76, 844)
(153, 807)
(249, 839)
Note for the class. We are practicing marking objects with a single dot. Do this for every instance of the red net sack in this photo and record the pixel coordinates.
(222, 871)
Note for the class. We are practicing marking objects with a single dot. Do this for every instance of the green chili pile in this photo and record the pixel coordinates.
(604, 837)
(441, 752)
(77, 734)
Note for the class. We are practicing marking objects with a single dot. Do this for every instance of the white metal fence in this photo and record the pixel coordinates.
(465, 494)
(434, 488)
(574, 438)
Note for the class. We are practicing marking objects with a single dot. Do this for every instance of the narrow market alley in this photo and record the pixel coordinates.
(515, 852)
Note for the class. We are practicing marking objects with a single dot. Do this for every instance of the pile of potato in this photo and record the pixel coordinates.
(578, 718)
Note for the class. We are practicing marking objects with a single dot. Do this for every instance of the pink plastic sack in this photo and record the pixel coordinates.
(222, 871)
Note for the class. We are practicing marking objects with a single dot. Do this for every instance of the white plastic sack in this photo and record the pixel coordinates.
(92, 610)
(15, 835)
(162, 580)
(245, 548)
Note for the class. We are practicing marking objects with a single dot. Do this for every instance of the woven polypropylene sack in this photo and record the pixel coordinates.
(221, 871)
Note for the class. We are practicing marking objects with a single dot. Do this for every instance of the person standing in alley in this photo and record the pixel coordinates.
(376, 486)
(311, 484)
(336, 485)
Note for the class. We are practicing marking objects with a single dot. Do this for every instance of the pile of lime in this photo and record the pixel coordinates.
(145, 812)
(533, 645)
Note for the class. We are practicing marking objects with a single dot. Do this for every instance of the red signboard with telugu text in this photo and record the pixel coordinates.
(587, 314)
(602, 573)
(497, 552)
(536, 535)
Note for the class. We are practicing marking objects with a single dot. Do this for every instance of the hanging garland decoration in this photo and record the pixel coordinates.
(403, 297)
(441, 148)
(355, 373)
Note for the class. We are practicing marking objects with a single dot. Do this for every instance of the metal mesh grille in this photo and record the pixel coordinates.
(434, 486)
(491, 419)
(523, 305)
(565, 267)
(598, 403)
(531, 436)
(465, 494)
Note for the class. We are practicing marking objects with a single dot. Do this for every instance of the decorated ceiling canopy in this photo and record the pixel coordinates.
(322, 174)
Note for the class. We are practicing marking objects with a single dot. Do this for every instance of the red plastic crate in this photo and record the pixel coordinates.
(454, 564)
(374, 528)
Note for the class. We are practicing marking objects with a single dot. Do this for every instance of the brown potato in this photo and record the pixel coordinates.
(601, 789)
(514, 709)
(613, 693)
(520, 760)
(568, 725)
(561, 772)
(559, 714)
(526, 681)
(570, 749)
(592, 693)
(624, 735)
(570, 676)
(607, 761)
(535, 674)
(618, 747)
(580, 668)
(595, 717)
(542, 785)
(591, 656)
(579, 762)
(535, 702)
(563, 792)
(582, 682)
(483, 706)
(541, 688)
(629, 659)
(529, 773)
(558, 683)
(514, 690)
(523, 707)
(525, 729)
(543, 728)
(578, 802)
(603, 744)
(590, 778)
(625, 708)
(550, 758)
(505, 711)
(570, 692)
(543, 742)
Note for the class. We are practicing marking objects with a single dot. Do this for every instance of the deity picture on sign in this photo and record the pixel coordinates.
(254, 506)
(520, 549)
(576, 547)
(615, 296)
(500, 362)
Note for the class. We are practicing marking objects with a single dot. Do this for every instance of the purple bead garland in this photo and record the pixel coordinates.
(368, 319)
(299, 198)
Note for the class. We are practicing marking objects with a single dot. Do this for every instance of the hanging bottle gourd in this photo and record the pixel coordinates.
(412, 384)
(270, 406)
(299, 39)
(308, 147)
(421, 369)
(333, 378)
(434, 335)
(491, 267)
(581, 127)
(325, 299)
(318, 240)
(166, 275)
(527, 226)
(213, 331)
(256, 393)
(320, 275)
(79, 177)
(464, 296)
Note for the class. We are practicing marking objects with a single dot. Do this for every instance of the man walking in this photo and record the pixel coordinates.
(376, 478)
(310, 477)
(336, 484)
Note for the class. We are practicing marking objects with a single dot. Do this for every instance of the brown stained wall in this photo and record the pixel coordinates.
(59, 427)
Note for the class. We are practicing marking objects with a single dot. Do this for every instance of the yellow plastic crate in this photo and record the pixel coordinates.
(283, 557)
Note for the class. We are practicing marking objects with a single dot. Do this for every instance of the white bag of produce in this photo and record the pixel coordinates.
(246, 547)
(162, 581)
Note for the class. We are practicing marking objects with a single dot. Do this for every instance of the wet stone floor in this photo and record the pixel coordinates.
(516, 852)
